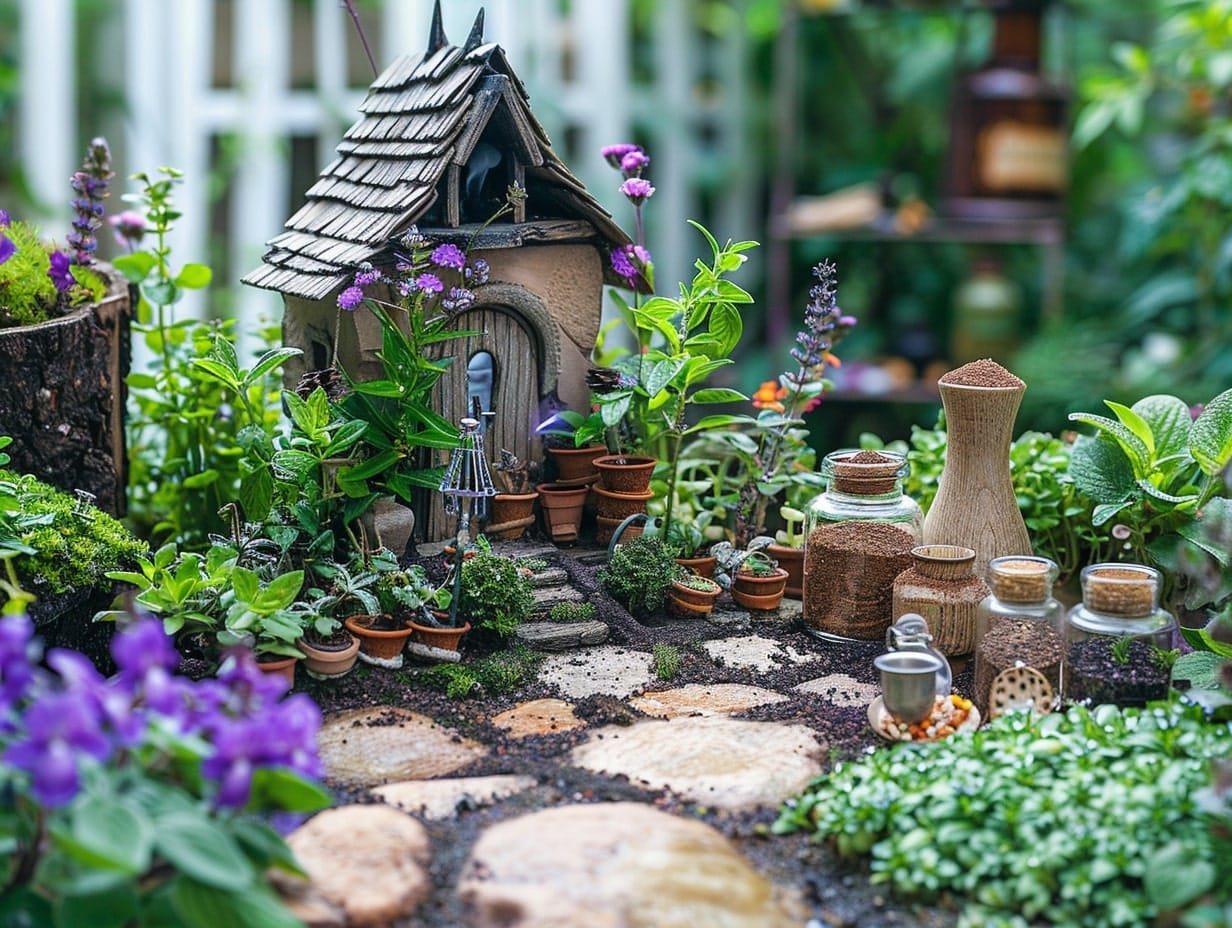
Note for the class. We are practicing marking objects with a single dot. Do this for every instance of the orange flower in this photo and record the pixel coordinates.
(768, 396)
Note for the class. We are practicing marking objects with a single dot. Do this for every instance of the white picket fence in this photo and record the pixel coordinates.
(576, 63)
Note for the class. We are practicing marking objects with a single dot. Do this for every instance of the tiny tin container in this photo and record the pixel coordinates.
(910, 633)
(858, 537)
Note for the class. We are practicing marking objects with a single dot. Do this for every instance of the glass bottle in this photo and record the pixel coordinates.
(1113, 635)
(987, 314)
(1020, 587)
(858, 537)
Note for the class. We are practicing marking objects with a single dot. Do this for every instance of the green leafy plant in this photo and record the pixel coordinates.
(493, 675)
(638, 574)
(667, 661)
(201, 425)
(1157, 472)
(1063, 818)
(572, 612)
(1119, 649)
(496, 593)
(695, 581)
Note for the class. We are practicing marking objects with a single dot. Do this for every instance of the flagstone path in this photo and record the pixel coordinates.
(599, 796)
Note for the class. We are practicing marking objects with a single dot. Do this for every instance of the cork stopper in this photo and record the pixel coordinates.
(1021, 579)
(865, 473)
(1128, 590)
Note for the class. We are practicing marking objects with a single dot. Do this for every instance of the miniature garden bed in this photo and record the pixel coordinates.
(835, 892)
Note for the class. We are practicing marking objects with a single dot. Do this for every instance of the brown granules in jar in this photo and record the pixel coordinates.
(866, 473)
(1009, 641)
(1019, 581)
(982, 373)
(1128, 591)
(849, 571)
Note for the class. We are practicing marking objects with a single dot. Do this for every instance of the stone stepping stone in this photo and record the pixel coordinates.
(704, 699)
(714, 760)
(549, 577)
(439, 799)
(613, 865)
(366, 747)
(547, 597)
(366, 865)
(561, 636)
(539, 717)
(606, 670)
(754, 652)
(839, 689)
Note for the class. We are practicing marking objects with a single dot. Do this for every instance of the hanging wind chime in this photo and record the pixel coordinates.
(467, 486)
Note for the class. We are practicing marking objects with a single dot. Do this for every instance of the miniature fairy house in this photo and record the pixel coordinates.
(440, 140)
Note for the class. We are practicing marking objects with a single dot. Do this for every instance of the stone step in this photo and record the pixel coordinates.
(560, 636)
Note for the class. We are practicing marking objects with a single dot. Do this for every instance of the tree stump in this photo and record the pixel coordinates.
(64, 394)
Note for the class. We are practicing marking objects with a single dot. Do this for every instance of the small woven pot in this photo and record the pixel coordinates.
(941, 586)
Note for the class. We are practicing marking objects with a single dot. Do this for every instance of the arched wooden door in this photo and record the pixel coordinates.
(502, 364)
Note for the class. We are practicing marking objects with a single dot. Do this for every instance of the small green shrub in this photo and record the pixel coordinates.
(639, 574)
(666, 661)
(571, 612)
(496, 594)
(75, 544)
(1082, 818)
(496, 674)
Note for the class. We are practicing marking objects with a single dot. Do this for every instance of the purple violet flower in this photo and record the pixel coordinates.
(59, 271)
(622, 265)
(634, 162)
(7, 248)
(349, 298)
(429, 284)
(450, 256)
(59, 728)
(638, 190)
(614, 153)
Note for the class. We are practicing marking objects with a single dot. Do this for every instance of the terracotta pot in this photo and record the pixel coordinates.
(283, 667)
(510, 515)
(444, 638)
(753, 591)
(324, 663)
(619, 506)
(562, 510)
(699, 565)
(377, 643)
(690, 602)
(792, 561)
(577, 465)
(625, 473)
(605, 532)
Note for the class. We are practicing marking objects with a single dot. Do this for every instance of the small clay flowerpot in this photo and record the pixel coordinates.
(690, 602)
(446, 639)
(283, 667)
(576, 465)
(510, 515)
(702, 566)
(759, 591)
(624, 473)
(562, 507)
(377, 643)
(792, 561)
(324, 662)
(619, 506)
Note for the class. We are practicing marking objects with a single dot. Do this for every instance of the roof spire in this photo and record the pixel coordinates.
(436, 38)
(475, 39)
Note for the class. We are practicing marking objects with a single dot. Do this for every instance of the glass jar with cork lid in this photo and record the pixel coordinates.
(1115, 635)
(1020, 587)
(858, 537)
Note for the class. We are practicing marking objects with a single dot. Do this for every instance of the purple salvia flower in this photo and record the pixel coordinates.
(366, 276)
(638, 190)
(449, 256)
(7, 248)
(622, 265)
(477, 273)
(429, 284)
(614, 153)
(349, 298)
(459, 300)
(91, 183)
(59, 271)
(632, 164)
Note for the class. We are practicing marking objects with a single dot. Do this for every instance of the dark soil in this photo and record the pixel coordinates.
(1093, 673)
(838, 893)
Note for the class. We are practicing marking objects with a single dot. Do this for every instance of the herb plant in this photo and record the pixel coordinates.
(666, 661)
(496, 594)
(571, 612)
(1083, 818)
(638, 574)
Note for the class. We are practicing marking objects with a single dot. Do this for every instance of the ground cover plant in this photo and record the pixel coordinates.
(1086, 818)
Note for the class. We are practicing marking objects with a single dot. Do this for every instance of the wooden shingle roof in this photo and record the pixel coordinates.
(421, 116)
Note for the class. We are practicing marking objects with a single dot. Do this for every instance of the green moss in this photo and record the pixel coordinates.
(27, 294)
(571, 612)
(496, 674)
(75, 543)
(666, 661)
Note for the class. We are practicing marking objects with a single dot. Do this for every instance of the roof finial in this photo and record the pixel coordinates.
(436, 38)
(475, 39)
